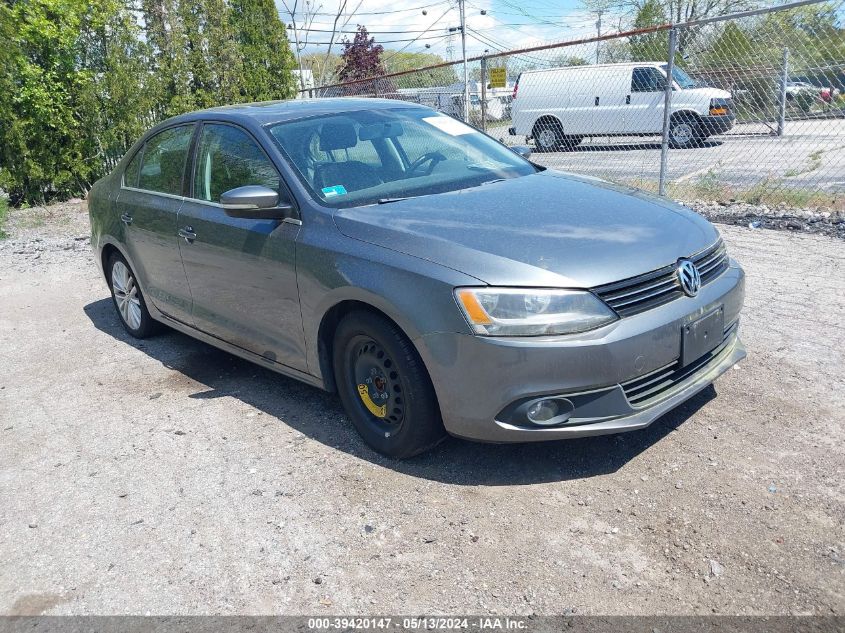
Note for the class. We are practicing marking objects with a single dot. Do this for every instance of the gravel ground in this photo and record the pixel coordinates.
(815, 221)
(165, 476)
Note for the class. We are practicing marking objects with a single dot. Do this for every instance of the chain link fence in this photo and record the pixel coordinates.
(755, 111)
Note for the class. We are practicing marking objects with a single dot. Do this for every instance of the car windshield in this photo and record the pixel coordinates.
(369, 156)
(682, 78)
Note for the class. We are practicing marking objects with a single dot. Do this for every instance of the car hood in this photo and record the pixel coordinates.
(712, 93)
(546, 229)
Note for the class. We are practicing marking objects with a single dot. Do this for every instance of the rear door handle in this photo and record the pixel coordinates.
(597, 100)
(188, 234)
(126, 218)
(628, 99)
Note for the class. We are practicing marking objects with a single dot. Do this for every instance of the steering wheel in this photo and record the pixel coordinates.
(429, 157)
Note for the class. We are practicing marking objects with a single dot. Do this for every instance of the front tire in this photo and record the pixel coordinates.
(684, 132)
(385, 387)
(128, 299)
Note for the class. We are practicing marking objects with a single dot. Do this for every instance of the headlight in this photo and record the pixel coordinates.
(531, 312)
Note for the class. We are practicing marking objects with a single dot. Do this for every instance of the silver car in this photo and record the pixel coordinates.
(434, 279)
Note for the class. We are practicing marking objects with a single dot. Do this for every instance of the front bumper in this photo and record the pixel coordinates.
(718, 124)
(478, 378)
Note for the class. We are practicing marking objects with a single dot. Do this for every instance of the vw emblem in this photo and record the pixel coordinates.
(689, 277)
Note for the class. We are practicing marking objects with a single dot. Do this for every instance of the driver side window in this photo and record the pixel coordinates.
(647, 80)
(228, 158)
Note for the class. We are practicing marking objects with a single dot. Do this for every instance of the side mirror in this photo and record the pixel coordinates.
(522, 150)
(254, 202)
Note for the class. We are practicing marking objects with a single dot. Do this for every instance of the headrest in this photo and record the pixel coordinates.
(337, 136)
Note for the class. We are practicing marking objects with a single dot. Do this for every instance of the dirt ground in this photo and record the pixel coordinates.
(167, 477)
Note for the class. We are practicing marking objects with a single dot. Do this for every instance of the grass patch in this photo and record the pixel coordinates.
(769, 192)
(815, 161)
(4, 214)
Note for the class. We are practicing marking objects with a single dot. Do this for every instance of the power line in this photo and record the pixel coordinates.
(431, 26)
(385, 12)
(377, 41)
(500, 47)
(394, 32)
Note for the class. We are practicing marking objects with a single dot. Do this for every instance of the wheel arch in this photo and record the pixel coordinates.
(686, 115)
(547, 119)
(106, 252)
(328, 326)
(108, 247)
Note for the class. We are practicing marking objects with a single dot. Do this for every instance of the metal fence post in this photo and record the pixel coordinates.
(484, 93)
(667, 107)
(784, 77)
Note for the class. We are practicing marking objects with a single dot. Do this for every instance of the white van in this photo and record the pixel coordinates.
(558, 107)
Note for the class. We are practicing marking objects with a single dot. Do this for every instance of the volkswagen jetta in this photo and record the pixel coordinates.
(435, 279)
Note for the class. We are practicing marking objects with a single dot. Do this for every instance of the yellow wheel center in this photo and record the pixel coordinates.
(372, 407)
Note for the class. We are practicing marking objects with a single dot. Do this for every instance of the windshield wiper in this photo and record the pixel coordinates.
(389, 200)
(490, 182)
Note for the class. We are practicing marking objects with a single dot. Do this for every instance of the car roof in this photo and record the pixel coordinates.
(265, 112)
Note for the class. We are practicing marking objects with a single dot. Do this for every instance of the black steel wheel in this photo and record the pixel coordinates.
(378, 384)
(384, 386)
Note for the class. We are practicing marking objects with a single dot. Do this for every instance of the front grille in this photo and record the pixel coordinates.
(645, 390)
(660, 286)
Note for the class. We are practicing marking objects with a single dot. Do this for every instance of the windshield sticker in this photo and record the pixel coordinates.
(337, 190)
(449, 125)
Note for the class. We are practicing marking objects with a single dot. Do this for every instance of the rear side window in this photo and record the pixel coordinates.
(647, 80)
(228, 158)
(164, 160)
(130, 176)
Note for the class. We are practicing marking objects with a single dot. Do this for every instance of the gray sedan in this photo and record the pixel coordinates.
(434, 279)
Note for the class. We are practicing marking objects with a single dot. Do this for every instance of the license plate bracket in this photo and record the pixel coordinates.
(702, 336)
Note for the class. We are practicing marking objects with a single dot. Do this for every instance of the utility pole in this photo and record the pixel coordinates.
(462, 7)
(598, 33)
(484, 91)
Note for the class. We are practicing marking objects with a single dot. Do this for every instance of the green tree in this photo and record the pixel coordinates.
(10, 55)
(651, 46)
(264, 49)
(399, 61)
(170, 63)
(43, 151)
(121, 98)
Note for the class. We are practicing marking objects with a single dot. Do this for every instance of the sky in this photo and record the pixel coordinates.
(508, 24)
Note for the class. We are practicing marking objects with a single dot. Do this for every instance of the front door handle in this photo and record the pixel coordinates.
(597, 100)
(628, 99)
(126, 218)
(188, 234)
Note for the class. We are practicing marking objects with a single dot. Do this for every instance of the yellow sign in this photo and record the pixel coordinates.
(498, 78)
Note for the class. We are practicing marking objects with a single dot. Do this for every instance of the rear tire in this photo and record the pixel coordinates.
(128, 299)
(548, 136)
(385, 387)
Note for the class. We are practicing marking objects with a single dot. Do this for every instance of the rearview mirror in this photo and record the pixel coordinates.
(254, 202)
(522, 150)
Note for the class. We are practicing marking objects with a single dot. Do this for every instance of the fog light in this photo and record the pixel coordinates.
(542, 411)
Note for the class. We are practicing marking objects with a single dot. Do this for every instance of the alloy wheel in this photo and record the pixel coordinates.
(126, 295)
